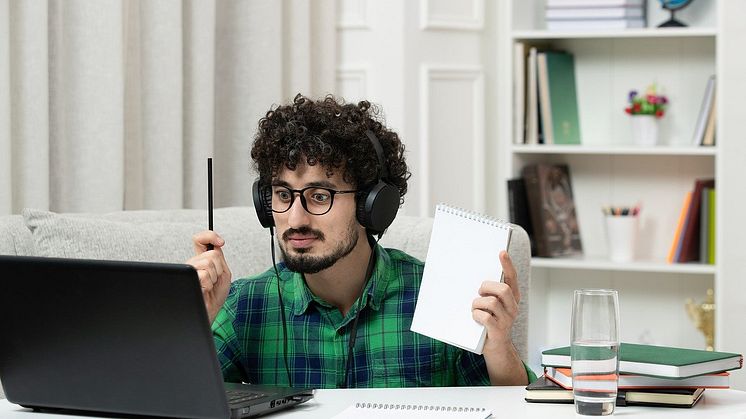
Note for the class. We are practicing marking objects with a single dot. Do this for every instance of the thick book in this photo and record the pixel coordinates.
(463, 253)
(690, 248)
(518, 209)
(600, 24)
(621, 12)
(552, 208)
(657, 361)
(563, 377)
(544, 390)
(704, 112)
(564, 123)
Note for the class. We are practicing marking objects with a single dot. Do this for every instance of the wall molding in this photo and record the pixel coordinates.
(474, 75)
(352, 18)
(357, 73)
(473, 22)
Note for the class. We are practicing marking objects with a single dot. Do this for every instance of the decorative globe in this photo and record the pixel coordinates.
(672, 6)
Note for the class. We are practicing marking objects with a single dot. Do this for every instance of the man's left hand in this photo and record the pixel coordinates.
(497, 306)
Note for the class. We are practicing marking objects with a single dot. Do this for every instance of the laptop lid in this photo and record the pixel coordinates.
(106, 336)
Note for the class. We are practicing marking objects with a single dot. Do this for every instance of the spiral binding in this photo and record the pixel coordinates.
(418, 407)
(472, 215)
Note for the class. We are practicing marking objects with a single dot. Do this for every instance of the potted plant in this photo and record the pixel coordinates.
(646, 109)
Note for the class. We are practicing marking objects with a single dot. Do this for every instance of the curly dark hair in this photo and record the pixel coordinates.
(331, 133)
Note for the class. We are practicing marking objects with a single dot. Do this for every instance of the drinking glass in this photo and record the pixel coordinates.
(594, 338)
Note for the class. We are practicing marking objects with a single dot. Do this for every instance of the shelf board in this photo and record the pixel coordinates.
(616, 33)
(613, 150)
(636, 266)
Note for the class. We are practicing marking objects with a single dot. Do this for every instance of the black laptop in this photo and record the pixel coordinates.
(124, 338)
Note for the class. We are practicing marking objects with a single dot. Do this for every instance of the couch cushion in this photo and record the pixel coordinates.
(16, 239)
(152, 236)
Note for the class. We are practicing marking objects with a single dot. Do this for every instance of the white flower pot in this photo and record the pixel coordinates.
(645, 130)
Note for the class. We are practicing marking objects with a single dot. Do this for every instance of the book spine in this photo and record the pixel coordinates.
(704, 224)
(519, 92)
(704, 112)
(711, 241)
(545, 106)
(671, 258)
(533, 193)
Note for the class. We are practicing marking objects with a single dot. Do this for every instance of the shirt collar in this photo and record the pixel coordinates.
(374, 292)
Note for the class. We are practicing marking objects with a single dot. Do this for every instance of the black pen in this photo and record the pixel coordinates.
(209, 198)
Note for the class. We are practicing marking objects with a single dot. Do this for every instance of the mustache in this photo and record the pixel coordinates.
(305, 231)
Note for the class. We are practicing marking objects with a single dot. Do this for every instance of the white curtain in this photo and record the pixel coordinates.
(116, 104)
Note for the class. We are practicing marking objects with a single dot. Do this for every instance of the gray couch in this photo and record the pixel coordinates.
(165, 236)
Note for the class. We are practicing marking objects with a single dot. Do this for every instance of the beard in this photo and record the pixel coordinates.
(302, 262)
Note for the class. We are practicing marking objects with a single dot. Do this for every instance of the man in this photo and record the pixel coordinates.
(319, 319)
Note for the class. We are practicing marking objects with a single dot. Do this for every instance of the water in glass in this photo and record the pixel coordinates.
(594, 376)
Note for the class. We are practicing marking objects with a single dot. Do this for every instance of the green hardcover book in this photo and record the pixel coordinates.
(657, 361)
(563, 98)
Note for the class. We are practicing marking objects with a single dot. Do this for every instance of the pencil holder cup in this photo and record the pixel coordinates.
(621, 237)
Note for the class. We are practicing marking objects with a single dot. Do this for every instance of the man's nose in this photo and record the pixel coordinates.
(297, 215)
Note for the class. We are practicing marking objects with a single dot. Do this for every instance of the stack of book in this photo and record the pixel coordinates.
(694, 237)
(595, 14)
(648, 375)
(545, 96)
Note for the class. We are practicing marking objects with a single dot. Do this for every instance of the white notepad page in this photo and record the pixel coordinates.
(463, 252)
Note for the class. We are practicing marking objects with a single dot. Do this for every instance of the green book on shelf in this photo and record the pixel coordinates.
(711, 243)
(657, 361)
(563, 98)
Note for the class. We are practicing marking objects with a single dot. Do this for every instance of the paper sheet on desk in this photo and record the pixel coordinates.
(411, 411)
(463, 252)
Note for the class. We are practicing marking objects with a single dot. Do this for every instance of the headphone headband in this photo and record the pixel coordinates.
(376, 206)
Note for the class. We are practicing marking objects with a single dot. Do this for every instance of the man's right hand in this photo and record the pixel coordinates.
(214, 275)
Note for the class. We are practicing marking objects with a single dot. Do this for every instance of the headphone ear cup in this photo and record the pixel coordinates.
(263, 204)
(377, 208)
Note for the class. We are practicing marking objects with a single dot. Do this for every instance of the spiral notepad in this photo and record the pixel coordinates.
(463, 252)
(413, 411)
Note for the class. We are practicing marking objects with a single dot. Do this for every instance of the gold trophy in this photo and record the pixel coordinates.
(703, 317)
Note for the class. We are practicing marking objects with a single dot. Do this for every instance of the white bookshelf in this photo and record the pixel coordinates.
(603, 264)
(608, 169)
(613, 150)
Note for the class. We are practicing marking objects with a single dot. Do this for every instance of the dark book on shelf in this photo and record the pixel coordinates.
(518, 209)
(690, 236)
(552, 208)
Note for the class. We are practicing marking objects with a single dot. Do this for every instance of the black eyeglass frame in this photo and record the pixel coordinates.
(301, 193)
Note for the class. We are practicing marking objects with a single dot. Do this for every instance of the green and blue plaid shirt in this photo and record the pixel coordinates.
(248, 334)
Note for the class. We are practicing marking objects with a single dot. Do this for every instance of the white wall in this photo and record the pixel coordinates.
(428, 64)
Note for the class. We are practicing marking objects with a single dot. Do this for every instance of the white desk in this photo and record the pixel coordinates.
(505, 402)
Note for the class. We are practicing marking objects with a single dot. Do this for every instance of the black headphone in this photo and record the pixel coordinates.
(376, 206)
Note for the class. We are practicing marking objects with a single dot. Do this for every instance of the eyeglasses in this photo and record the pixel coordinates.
(315, 200)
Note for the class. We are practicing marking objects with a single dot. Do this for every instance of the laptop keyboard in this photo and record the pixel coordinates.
(243, 396)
